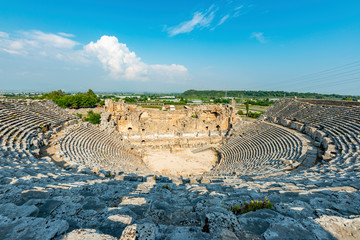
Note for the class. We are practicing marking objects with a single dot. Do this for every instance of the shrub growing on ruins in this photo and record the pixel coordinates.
(240, 112)
(93, 118)
(79, 115)
(166, 187)
(251, 206)
(254, 114)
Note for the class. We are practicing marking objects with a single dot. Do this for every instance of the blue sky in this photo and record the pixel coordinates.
(172, 46)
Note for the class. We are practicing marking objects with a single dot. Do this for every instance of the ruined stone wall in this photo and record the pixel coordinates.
(142, 122)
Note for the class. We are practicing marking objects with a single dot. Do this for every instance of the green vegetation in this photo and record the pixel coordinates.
(130, 100)
(260, 102)
(251, 206)
(93, 118)
(240, 112)
(79, 100)
(194, 116)
(250, 113)
(261, 94)
(166, 187)
(254, 114)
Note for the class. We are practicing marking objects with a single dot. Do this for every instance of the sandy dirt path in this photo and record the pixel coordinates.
(180, 162)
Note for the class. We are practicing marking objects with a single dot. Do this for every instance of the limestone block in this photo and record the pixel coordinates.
(341, 228)
(139, 231)
(288, 228)
(10, 210)
(31, 228)
(259, 221)
(88, 234)
(325, 142)
(319, 135)
(285, 122)
(310, 131)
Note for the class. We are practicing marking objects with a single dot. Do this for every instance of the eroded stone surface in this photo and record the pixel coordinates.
(40, 200)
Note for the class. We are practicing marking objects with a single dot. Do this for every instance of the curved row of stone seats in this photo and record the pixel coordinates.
(25, 125)
(335, 125)
(259, 148)
(85, 145)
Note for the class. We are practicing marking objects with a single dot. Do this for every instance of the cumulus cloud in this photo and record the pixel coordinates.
(199, 20)
(123, 64)
(115, 57)
(258, 36)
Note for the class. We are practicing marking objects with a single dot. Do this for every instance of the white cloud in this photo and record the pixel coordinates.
(200, 20)
(258, 36)
(239, 7)
(223, 19)
(123, 64)
(115, 57)
(66, 34)
(35, 43)
(4, 35)
(51, 39)
(225, 11)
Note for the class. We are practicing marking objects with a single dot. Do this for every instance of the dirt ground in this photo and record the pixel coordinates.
(181, 162)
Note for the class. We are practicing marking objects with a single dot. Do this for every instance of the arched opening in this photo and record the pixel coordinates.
(218, 129)
(130, 131)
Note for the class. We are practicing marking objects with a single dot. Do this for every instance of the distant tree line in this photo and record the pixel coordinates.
(262, 94)
(221, 100)
(79, 100)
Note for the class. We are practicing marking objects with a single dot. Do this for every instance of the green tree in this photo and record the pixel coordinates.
(247, 108)
(79, 100)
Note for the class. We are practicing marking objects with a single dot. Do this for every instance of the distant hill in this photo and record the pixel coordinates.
(262, 94)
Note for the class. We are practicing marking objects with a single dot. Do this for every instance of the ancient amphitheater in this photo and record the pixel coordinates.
(61, 178)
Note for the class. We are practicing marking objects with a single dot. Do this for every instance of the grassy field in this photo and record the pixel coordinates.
(252, 108)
